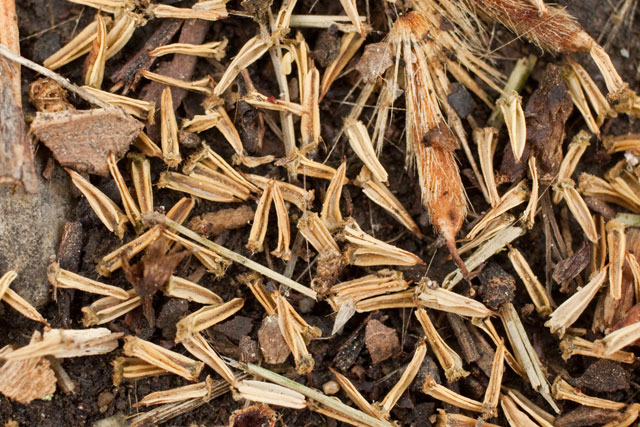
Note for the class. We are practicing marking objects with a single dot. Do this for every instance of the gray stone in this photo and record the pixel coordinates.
(30, 229)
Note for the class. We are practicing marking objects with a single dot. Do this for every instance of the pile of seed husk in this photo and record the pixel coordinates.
(354, 212)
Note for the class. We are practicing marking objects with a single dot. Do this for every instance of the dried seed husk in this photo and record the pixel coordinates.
(440, 392)
(113, 261)
(576, 149)
(525, 353)
(200, 348)
(16, 301)
(202, 86)
(61, 278)
(284, 228)
(132, 368)
(254, 282)
(106, 309)
(442, 299)
(536, 291)
(563, 391)
(252, 50)
(300, 197)
(579, 100)
(296, 335)
(200, 186)
(512, 198)
(617, 244)
(138, 108)
(355, 396)
(378, 193)
(130, 207)
(177, 287)
(578, 208)
(178, 394)
(405, 380)
(402, 299)
(272, 394)
(105, 208)
(330, 214)
(349, 44)
(317, 234)
(76, 47)
(618, 339)
(206, 317)
(63, 343)
(444, 419)
(310, 120)
(486, 140)
(261, 220)
(365, 250)
(210, 10)
(529, 214)
(162, 358)
(492, 394)
(361, 144)
(141, 177)
(515, 417)
(574, 345)
(169, 130)
(122, 31)
(513, 114)
(147, 146)
(544, 418)
(449, 360)
(97, 56)
(215, 50)
(383, 281)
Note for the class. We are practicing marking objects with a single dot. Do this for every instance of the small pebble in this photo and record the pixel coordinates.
(330, 387)
(104, 399)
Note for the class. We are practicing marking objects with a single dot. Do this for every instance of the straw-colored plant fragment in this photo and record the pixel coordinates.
(361, 144)
(291, 193)
(113, 261)
(492, 228)
(252, 50)
(132, 368)
(578, 208)
(317, 234)
(76, 47)
(440, 392)
(576, 149)
(330, 214)
(579, 100)
(617, 244)
(202, 86)
(543, 418)
(535, 289)
(63, 343)
(351, 9)
(401, 299)
(208, 162)
(597, 100)
(105, 208)
(405, 380)
(486, 251)
(562, 390)
(147, 146)
(29, 379)
(593, 186)
(570, 310)
(349, 44)
(573, 345)
(215, 50)
(97, 56)
(107, 309)
(207, 317)
(310, 120)
(529, 214)
(284, 228)
(355, 396)
(383, 281)
(525, 353)
(618, 339)
(177, 287)
(512, 198)
(271, 394)
(255, 283)
(233, 256)
(511, 107)
(169, 130)
(162, 358)
(437, 298)
(261, 220)
(365, 250)
(141, 178)
(210, 10)
(486, 140)
(198, 346)
(620, 143)
(18, 303)
(296, 333)
(259, 100)
(141, 109)
(61, 278)
(515, 417)
(492, 394)
(445, 419)
(379, 194)
(449, 360)
(177, 394)
(130, 206)
(216, 189)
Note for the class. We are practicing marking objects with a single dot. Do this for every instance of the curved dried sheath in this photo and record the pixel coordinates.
(428, 138)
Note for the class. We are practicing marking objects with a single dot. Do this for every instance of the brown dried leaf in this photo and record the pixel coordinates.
(382, 342)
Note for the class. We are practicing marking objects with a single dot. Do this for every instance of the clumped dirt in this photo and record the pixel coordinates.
(45, 25)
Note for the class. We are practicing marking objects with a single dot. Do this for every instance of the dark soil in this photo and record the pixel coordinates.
(45, 25)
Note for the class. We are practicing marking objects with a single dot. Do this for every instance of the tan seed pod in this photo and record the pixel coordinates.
(163, 358)
(97, 56)
(169, 130)
(215, 50)
(617, 244)
(130, 206)
(513, 114)
(563, 391)
(578, 208)
(106, 309)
